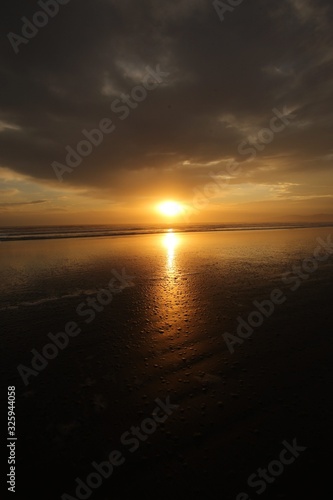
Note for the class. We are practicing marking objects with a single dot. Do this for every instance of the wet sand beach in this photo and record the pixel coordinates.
(161, 336)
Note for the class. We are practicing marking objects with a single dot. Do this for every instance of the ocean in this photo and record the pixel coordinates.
(17, 233)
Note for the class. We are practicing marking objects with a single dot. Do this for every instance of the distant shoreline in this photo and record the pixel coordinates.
(75, 232)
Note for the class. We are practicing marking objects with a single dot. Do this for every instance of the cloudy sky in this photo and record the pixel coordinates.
(186, 92)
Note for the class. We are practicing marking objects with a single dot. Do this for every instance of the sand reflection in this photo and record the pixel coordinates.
(171, 242)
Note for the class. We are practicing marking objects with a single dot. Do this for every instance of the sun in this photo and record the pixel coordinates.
(170, 208)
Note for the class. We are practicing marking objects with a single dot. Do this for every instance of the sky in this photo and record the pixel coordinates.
(109, 108)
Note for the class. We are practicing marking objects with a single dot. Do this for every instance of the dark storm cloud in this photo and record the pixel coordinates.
(225, 79)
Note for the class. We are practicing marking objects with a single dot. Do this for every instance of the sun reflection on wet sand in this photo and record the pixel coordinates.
(171, 294)
(171, 241)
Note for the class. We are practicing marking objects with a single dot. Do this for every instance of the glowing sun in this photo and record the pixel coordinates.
(170, 208)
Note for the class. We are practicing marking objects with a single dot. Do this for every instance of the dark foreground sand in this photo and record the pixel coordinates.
(163, 338)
